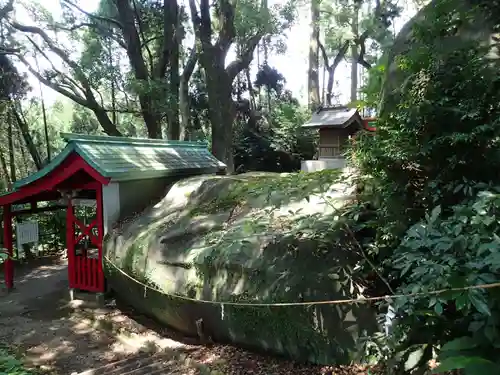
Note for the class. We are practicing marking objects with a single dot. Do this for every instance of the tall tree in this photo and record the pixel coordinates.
(313, 74)
(219, 77)
(184, 97)
(149, 32)
(348, 26)
(331, 66)
(13, 88)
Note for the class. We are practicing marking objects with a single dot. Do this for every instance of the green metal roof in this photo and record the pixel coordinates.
(121, 159)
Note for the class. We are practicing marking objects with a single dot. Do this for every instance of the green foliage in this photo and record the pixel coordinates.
(252, 16)
(84, 121)
(373, 85)
(450, 252)
(464, 353)
(432, 171)
(419, 161)
(337, 22)
(270, 78)
(13, 85)
(279, 144)
(10, 365)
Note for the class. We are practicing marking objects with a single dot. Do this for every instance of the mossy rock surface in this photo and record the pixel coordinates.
(254, 238)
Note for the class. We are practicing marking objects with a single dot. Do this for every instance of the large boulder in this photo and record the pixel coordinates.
(216, 241)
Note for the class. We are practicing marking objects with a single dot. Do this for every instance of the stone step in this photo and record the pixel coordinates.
(127, 366)
(145, 363)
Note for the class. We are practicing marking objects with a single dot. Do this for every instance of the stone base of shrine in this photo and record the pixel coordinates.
(322, 164)
(80, 297)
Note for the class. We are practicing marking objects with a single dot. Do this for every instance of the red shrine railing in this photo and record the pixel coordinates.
(85, 263)
(4, 262)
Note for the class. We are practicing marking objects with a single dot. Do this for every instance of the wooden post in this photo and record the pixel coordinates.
(7, 242)
(100, 237)
(70, 239)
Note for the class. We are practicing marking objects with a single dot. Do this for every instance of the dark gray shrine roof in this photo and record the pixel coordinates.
(334, 117)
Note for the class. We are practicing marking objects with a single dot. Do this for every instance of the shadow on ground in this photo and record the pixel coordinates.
(53, 333)
(86, 337)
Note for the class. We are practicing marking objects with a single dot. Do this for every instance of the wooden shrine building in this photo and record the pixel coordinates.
(121, 176)
(335, 125)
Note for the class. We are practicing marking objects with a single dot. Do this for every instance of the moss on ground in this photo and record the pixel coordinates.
(252, 237)
(289, 186)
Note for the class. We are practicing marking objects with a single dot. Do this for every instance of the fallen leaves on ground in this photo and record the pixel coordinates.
(218, 359)
(228, 360)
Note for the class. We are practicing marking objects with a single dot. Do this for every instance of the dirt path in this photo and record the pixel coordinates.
(63, 337)
(83, 337)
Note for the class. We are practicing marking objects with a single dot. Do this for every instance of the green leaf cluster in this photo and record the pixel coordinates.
(464, 353)
(432, 182)
(280, 144)
(10, 365)
(450, 252)
(3, 255)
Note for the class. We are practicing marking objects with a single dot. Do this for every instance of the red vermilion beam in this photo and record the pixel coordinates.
(7, 243)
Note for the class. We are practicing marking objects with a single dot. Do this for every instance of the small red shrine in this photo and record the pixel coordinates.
(121, 175)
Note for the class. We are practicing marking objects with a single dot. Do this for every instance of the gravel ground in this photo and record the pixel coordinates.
(59, 337)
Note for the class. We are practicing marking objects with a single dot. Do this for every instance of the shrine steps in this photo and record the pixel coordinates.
(147, 363)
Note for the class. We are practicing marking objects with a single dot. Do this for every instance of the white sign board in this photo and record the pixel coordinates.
(84, 202)
(27, 232)
(78, 202)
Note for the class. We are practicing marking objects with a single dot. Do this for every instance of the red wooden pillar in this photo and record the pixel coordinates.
(70, 239)
(100, 237)
(7, 242)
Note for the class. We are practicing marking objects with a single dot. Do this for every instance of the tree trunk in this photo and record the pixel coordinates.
(114, 118)
(219, 79)
(12, 156)
(332, 68)
(184, 99)
(253, 104)
(44, 116)
(110, 128)
(28, 139)
(174, 127)
(45, 127)
(354, 57)
(221, 112)
(313, 74)
(329, 85)
(185, 110)
(354, 73)
(5, 171)
(266, 41)
(174, 77)
(323, 88)
(133, 42)
(26, 166)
